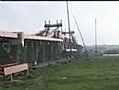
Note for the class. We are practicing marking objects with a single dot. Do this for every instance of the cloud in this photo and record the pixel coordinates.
(30, 17)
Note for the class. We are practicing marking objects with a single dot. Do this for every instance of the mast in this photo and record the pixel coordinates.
(95, 36)
(69, 27)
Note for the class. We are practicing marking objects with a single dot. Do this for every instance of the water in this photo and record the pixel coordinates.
(110, 54)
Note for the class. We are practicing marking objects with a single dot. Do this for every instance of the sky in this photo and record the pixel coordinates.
(29, 17)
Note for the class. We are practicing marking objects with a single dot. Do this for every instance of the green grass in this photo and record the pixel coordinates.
(101, 73)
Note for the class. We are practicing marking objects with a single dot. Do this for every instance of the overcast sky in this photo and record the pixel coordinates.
(30, 16)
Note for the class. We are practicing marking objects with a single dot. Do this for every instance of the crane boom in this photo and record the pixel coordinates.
(80, 35)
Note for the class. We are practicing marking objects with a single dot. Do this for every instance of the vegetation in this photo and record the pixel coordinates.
(107, 49)
(113, 51)
(100, 73)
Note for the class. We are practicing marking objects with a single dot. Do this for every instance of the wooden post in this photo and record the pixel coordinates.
(11, 77)
(32, 50)
(44, 52)
(37, 51)
(20, 45)
(27, 72)
(52, 50)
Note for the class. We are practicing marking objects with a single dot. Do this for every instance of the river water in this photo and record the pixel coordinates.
(110, 54)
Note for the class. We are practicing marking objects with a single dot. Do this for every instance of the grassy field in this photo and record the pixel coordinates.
(101, 73)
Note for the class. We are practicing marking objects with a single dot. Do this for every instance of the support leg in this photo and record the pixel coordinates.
(11, 77)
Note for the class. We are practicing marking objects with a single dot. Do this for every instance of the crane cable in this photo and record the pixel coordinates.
(80, 35)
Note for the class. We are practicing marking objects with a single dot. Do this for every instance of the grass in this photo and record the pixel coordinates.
(100, 73)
